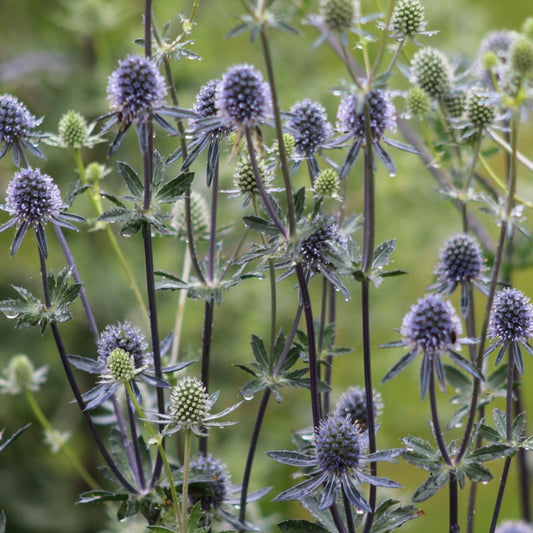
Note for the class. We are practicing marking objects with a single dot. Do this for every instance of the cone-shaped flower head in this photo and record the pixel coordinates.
(460, 259)
(313, 249)
(243, 96)
(199, 217)
(135, 88)
(189, 403)
(418, 104)
(20, 375)
(244, 179)
(16, 122)
(338, 445)
(206, 106)
(219, 481)
(125, 336)
(431, 71)
(73, 130)
(351, 116)
(431, 325)
(121, 365)
(511, 317)
(327, 184)
(408, 18)
(33, 197)
(479, 111)
(338, 15)
(521, 57)
(352, 404)
(454, 103)
(309, 126)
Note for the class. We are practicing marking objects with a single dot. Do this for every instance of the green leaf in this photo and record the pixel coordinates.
(260, 225)
(389, 517)
(476, 472)
(259, 351)
(491, 452)
(489, 433)
(300, 526)
(430, 486)
(174, 189)
(382, 253)
(97, 496)
(6, 443)
(131, 179)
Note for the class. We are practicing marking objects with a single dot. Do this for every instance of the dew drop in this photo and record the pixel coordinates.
(359, 511)
(248, 397)
(11, 316)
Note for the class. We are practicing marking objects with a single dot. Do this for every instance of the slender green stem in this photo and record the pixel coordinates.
(158, 440)
(185, 486)
(95, 198)
(58, 442)
(180, 314)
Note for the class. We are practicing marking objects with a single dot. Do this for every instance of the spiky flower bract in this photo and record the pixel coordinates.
(432, 327)
(308, 123)
(16, 128)
(338, 15)
(340, 459)
(407, 19)
(135, 89)
(514, 527)
(352, 404)
(511, 325)
(33, 199)
(20, 375)
(431, 71)
(460, 263)
(125, 336)
(218, 480)
(243, 96)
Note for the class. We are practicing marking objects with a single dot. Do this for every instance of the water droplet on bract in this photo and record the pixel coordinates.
(248, 397)
(359, 511)
(11, 316)
(484, 482)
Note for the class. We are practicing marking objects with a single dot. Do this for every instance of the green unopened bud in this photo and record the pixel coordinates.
(432, 71)
(73, 130)
(338, 15)
(418, 103)
(199, 217)
(327, 184)
(527, 27)
(490, 60)
(408, 18)
(121, 365)
(244, 176)
(96, 171)
(454, 103)
(189, 402)
(521, 57)
(479, 112)
(288, 142)
(20, 375)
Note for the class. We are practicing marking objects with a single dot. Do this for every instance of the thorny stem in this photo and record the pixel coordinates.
(58, 442)
(74, 386)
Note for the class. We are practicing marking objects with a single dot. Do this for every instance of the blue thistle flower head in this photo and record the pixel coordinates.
(514, 527)
(352, 404)
(206, 107)
(351, 116)
(460, 260)
(511, 318)
(339, 444)
(431, 325)
(243, 96)
(218, 479)
(308, 123)
(135, 89)
(313, 249)
(125, 336)
(33, 197)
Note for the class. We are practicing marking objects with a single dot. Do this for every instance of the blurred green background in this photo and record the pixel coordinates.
(56, 56)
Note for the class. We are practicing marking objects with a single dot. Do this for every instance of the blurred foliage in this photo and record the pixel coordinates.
(56, 56)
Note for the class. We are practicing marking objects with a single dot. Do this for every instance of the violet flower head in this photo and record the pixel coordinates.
(219, 481)
(17, 127)
(514, 527)
(33, 199)
(243, 96)
(432, 327)
(352, 404)
(135, 89)
(308, 124)
(511, 325)
(125, 336)
(340, 459)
